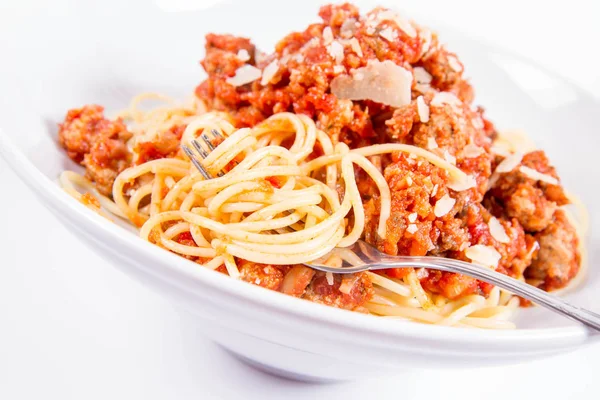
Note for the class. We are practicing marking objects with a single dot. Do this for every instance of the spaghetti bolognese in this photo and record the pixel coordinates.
(358, 127)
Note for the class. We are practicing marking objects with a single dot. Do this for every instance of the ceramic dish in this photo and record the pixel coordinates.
(77, 61)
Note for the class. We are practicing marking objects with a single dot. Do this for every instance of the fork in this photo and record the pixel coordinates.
(363, 257)
(202, 151)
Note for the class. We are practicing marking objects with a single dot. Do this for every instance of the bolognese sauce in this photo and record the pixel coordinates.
(512, 210)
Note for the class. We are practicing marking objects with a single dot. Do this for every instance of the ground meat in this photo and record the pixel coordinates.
(451, 127)
(533, 203)
(320, 291)
(97, 143)
(264, 275)
(301, 281)
(446, 71)
(516, 253)
(165, 144)
(416, 186)
(558, 259)
(307, 67)
(449, 285)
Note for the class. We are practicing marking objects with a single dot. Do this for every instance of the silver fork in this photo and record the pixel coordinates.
(364, 257)
(202, 151)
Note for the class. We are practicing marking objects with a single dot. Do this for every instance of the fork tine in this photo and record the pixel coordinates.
(199, 148)
(207, 141)
(210, 145)
(217, 134)
(196, 163)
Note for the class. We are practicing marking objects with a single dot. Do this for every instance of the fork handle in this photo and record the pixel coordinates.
(506, 282)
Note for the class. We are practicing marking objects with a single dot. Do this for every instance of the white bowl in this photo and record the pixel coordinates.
(106, 56)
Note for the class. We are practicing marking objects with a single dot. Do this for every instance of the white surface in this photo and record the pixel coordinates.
(63, 337)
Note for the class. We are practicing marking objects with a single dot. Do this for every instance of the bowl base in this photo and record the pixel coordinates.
(281, 373)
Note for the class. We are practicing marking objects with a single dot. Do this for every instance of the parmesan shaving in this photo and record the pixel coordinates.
(426, 38)
(483, 255)
(412, 228)
(348, 28)
(327, 35)
(509, 163)
(412, 217)
(454, 64)
(497, 230)
(402, 23)
(443, 206)
(336, 51)
(442, 98)
(449, 157)
(423, 110)
(431, 143)
(538, 176)
(461, 185)
(388, 34)
(472, 151)
(243, 75)
(269, 72)
(355, 46)
(421, 75)
(329, 277)
(338, 69)
(382, 82)
(243, 55)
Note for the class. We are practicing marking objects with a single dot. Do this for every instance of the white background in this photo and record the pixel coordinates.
(73, 327)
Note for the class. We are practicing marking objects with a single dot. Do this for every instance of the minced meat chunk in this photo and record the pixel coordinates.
(360, 291)
(413, 228)
(97, 143)
(558, 258)
(532, 202)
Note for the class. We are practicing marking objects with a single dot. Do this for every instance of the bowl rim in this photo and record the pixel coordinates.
(277, 302)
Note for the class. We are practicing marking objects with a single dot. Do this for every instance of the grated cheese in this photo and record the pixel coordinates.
(355, 46)
(388, 34)
(336, 51)
(269, 72)
(382, 82)
(412, 228)
(509, 163)
(243, 75)
(538, 176)
(497, 230)
(421, 75)
(459, 186)
(443, 206)
(412, 217)
(454, 64)
(243, 55)
(472, 151)
(348, 28)
(402, 23)
(423, 110)
(431, 143)
(338, 69)
(442, 98)
(483, 255)
(449, 157)
(327, 35)
(329, 277)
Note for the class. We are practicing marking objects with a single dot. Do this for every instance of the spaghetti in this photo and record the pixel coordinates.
(241, 215)
(358, 127)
